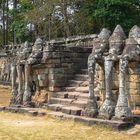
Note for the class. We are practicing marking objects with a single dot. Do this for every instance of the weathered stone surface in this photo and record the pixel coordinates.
(80, 103)
(116, 125)
(131, 52)
(2, 108)
(82, 89)
(66, 110)
(55, 107)
(135, 78)
(73, 95)
(60, 94)
(33, 113)
(61, 101)
(70, 89)
(133, 131)
(135, 99)
(137, 126)
(71, 110)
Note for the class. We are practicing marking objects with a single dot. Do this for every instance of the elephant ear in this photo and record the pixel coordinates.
(104, 34)
(134, 32)
(138, 40)
(138, 49)
(116, 40)
(118, 35)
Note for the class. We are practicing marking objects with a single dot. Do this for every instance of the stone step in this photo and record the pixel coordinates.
(69, 89)
(61, 101)
(83, 96)
(137, 107)
(70, 95)
(83, 103)
(85, 84)
(55, 107)
(72, 110)
(75, 83)
(84, 71)
(115, 125)
(60, 95)
(73, 95)
(80, 103)
(81, 77)
(82, 89)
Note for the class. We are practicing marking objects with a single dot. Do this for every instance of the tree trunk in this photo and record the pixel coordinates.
(7, 22)
(3, 9)
(66, 21)
(14, 31)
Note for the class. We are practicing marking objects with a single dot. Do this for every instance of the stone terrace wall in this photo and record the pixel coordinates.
(59, 64)
(132, 80)
(4, 69)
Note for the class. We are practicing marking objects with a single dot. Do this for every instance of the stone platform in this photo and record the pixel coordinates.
(115, 125)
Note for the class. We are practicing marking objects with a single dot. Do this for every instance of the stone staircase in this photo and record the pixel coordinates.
(73, 99)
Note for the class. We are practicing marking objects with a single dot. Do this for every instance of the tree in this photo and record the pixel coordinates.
(18, 23)
(51, 19)
(109, 13)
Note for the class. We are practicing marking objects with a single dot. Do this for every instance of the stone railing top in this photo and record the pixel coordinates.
(60, 41)
(3, 54)
(74, 38)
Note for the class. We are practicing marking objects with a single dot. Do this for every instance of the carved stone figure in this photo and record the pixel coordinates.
(3, 70)
(34, 58)
(36, 55)
(14, 55)
(100, 47)
(23, 54)
(130, 53)
(116, 44)
(19, 55)
(7, 71)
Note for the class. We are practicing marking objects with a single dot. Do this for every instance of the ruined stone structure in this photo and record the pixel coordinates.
(5, 70)
(100, 47)
(131, 53)
(25, 57)
(92, 76)
(116, 46)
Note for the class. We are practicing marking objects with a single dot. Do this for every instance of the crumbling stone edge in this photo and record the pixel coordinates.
(115, 125)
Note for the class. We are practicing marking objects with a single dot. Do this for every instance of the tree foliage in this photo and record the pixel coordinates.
(109, 13)
(19, 22)
(62, 18)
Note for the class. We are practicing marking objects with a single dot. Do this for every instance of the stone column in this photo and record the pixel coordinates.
(27, 93)
(108, 107)
(92, 108)
(102, 84)
(13, 82)
(20, 84)
(122, 108)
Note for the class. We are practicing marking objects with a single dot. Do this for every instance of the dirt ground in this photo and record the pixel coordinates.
(4, 95)
(24, 127)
